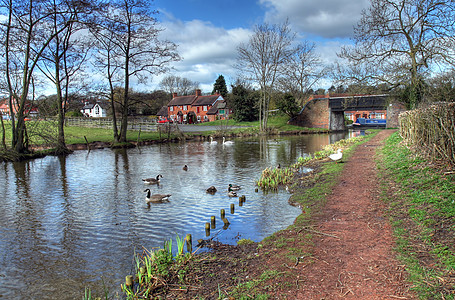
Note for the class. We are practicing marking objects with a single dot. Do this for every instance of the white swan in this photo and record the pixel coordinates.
(337, 156)
(227, 142)
(212, 142)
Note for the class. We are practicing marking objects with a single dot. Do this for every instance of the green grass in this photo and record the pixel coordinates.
(45, 132)
(278, 122)
(422, 212)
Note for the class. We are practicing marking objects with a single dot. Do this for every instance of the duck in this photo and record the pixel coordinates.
(337, 156)
(212, 142)
(227, 142)
(231, 193)
(155, 198)
(211, 190)
(234, 187)
(185, 168)
(153, 180)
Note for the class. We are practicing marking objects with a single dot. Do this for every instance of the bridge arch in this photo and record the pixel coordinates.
(328, 111)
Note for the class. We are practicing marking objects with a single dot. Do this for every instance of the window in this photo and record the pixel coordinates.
(171, 108)
(199, 118)
(185, 107)
(204, 108)
(97, 110)
(221, 112)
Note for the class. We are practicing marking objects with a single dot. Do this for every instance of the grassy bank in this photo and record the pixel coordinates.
(44, 133)
(421, 200)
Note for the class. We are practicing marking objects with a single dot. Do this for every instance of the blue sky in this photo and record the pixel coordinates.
(208, 32)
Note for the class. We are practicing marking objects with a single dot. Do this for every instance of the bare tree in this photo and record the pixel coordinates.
(396, 41)
(180, 85)
(260, 60)
(64, 56)
(302, 71)
(25, 40)
(137, 50)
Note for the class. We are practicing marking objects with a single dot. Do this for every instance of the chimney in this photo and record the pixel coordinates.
(198, 92)
(174, 95)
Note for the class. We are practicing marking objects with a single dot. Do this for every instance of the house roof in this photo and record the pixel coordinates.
(182, 100)
(220, 104)
(162, 112)
(195, 100)
(207, 100)
(89, 105)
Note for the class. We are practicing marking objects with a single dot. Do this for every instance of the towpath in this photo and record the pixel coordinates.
(353, 256)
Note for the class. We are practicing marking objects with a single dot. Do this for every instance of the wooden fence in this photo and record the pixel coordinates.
(431, 130)
(142, 124)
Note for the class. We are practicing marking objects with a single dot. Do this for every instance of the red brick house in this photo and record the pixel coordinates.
(30, 109)
(195, 108)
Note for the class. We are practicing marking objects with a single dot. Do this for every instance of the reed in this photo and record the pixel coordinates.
(273, 178)
(155, 268)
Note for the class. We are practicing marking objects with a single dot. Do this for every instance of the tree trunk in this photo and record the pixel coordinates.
(3, 132)
(61, 145)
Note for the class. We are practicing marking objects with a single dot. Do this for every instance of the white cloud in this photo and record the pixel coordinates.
(207, 51)
(324, 18)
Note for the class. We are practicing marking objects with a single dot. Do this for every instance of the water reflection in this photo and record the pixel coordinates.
(68, 222)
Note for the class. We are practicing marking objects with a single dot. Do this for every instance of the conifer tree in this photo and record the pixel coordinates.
(220, 86)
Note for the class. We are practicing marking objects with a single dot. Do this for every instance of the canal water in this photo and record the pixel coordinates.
(72, 222)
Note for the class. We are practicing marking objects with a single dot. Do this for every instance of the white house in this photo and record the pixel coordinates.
(94, 110)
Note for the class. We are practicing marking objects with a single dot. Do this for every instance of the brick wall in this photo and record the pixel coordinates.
(315, 115)
(393, 110)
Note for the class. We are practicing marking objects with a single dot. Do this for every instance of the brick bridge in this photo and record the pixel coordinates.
(328, 112)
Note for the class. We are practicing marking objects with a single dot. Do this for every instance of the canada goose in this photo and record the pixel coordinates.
(212, 142)
(155, 198)
(211, 190)
(153, 180)
(227, 142)
(233, 187)
(185, 168)
(337, 156)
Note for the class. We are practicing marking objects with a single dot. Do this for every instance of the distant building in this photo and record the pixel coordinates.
(94, 110)
(30, 109)
(196, 108)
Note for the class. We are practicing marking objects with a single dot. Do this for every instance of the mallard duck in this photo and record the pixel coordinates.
(185, 168)
(212, 142)
(337, 156)
(227, 142)
(231, 193)
(234, 187)
(211, 190)
(155, 198)
(153, 180)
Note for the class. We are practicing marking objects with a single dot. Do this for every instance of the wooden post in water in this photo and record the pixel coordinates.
(232, 208)
(226, 223)
(223, 213)
(212, 222)
(88, 145)
(189, 243)
(207, 229)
